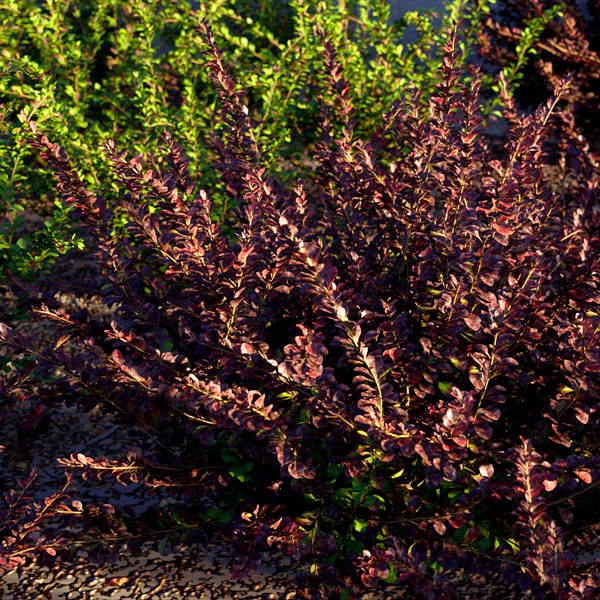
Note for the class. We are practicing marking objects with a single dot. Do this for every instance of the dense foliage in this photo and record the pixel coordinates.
(538, 42)
(127, 70)
(388, 369)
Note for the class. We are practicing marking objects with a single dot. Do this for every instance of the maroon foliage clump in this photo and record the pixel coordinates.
(396, 362)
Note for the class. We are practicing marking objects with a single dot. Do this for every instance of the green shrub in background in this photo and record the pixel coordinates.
(23, 178)
(104, 69)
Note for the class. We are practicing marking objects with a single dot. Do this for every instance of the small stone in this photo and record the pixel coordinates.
(62, 590)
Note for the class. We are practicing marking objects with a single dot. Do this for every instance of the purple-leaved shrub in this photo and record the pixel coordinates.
(395, 363)
(539, 42)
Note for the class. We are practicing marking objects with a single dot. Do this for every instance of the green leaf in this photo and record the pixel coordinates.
(354, 546)
(333, 472)
(445, 386)
(230, 456)
(513, 544)
(393, 574)
(359, 525)
(242, 471)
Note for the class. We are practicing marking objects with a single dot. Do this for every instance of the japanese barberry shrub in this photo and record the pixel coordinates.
(394, 368)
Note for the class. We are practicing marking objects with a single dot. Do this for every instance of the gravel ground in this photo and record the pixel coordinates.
(202, 571)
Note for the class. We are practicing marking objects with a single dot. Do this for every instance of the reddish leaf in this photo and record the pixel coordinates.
(488, 278)
(244, 253)
(457, 521)
(497, 166)
(502, 229)
(300, 471)
(473, 322)
(83, 459)
(5, 332)
(117, 357)
(501, 239)
(440, 527)
(460, 440)
(486, 470)
(477, 379)
(473, 533)
(489, 413)
(584, 475)
(582, 414)
(484, 431)
(488, 297)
